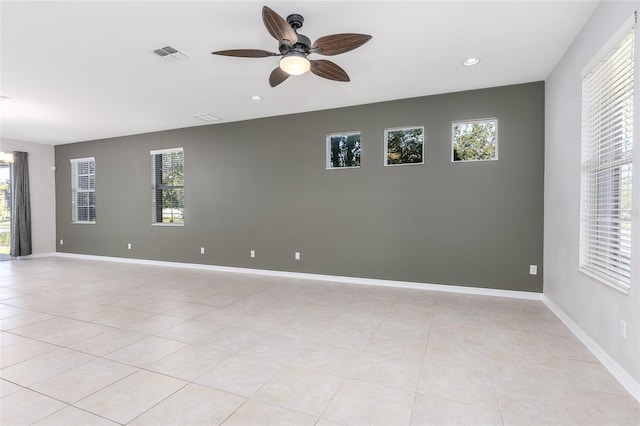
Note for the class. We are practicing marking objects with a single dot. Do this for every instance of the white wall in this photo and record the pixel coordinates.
(42, 186)
(594, 307)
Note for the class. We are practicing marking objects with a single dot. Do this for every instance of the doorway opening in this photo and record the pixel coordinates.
(5, 210)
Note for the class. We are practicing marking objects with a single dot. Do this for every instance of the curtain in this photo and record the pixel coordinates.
(20, 206)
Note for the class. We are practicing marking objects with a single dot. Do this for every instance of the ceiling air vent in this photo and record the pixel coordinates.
(207, 117)
(171, 52)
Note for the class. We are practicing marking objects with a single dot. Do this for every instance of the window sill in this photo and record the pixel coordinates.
(620, 288)
(167, 224)
(84, 223)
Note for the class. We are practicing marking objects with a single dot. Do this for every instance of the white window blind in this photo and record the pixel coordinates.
(607, 165)
(83, 190)
(168, 186)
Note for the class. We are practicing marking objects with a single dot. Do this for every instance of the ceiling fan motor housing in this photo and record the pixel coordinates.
(295, 21)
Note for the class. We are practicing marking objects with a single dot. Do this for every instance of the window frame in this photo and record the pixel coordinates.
(75, 184)
(155, 189)
(605, 223)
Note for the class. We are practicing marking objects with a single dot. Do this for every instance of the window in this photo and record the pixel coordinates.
(607, 141)
(83, 190)
(168, 186)
(475, 140)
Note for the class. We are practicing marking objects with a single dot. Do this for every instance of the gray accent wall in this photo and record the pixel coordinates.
(262, 185)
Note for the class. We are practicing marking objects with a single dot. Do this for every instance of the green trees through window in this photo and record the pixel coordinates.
(168, 175)
(475, 140)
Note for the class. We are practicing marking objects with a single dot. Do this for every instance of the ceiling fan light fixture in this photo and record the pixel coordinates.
(295, 63)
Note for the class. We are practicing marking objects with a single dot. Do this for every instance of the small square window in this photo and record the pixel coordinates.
(475, 140)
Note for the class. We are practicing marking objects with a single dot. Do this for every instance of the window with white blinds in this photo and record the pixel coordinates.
(607, 164)
(168, 186)
(83, 190)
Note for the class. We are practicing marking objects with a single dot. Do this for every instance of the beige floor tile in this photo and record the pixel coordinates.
(128, 398)
(612, 408)
(436, 411)
(7, 388)
(399, 348)
(154, 324)
(74, 334)
(44, 366)
(327, 358)
(346, 336)
(258, 413)
(23, 351)
(359, 403)
(388, 370)
(447, 333)
(274, 347)
(77, 383)
(190, 331)
(95, 312)
(45, 327)
(72, 416)
(22, 319)
(472, 351)
(108, 342)
(589, 376)
(26, 407)
(231, 339)
(190, 362)
(308, 329)
(455, 381)
(567, 347)
(8, 339)
(450, 314)
(189, 310)
(325, 422)
(303, 390)
(415, 330)
(123, 318)
(240, 374)
(554, 407)
(146, 352)
(192, 405)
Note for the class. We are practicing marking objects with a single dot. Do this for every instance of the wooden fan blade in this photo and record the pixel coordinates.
(277, 76)
(278, 27)
(339, 43)
(327, 69)
(246, 53)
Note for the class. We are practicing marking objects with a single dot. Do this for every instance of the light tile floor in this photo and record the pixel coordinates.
(104, 343)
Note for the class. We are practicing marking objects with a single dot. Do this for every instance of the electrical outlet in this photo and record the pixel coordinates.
(253, 253)
(201, 250)
(622, 328)
(129, 246)
(61, 242)
(297, 256)
(533, 269)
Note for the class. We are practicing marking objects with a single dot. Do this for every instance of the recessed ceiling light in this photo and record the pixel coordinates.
(207, 117)
(470, 62)
(256, 98)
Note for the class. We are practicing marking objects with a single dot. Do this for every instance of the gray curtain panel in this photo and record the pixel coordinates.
(20, 206)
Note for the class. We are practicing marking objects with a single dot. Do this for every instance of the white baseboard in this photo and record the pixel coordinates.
(319, 277)
(625, 379)
(36, 256)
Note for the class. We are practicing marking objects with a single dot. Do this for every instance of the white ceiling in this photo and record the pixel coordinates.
(83, 70)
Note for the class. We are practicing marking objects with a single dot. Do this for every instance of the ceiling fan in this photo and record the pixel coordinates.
(294, 49)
